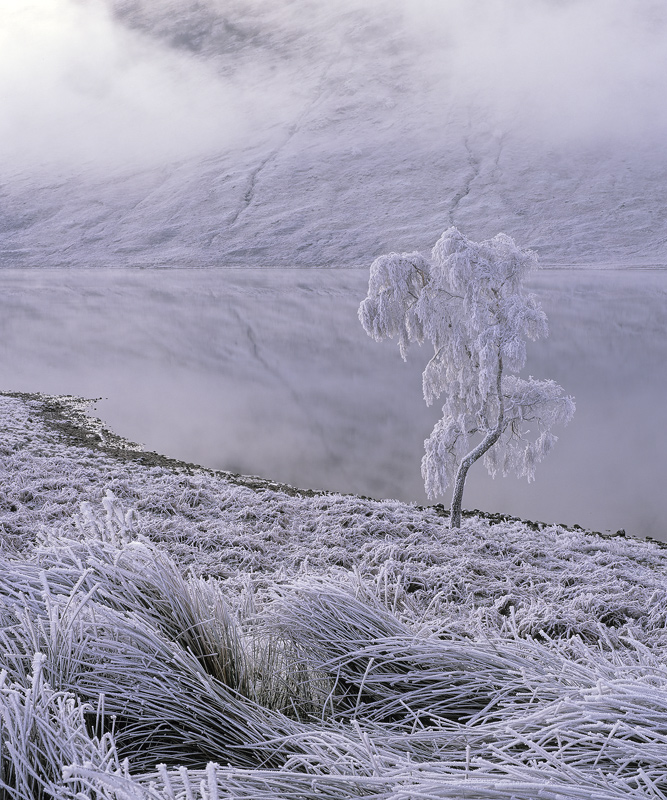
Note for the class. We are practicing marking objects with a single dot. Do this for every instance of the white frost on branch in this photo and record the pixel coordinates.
(396, 283)
(468, 302)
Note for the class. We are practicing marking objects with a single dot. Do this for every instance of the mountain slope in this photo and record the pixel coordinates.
(286, 134)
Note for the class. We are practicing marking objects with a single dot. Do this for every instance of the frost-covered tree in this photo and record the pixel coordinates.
(468, 301)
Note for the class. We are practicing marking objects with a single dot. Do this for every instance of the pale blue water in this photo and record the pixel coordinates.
(269, 372)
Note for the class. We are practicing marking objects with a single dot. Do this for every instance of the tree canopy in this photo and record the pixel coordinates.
(467, 300)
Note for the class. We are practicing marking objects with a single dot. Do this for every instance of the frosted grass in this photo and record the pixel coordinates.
(203, 638)
(109, 652)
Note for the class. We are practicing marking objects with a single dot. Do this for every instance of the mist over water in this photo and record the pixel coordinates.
(270, 373)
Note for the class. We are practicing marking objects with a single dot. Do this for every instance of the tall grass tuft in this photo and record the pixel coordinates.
(380, 671)
(41, 730)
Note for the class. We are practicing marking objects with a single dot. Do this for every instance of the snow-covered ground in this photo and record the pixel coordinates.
(293, 132)
(261, 641)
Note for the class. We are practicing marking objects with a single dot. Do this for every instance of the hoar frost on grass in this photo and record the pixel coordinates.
(168, 632)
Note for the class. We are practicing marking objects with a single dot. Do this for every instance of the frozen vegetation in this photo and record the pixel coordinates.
(287, 134)
(469, 302)
(268, 372)
(171, 632)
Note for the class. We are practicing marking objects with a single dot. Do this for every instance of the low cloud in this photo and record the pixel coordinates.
(108, 82)
(560, 69)
(80, 87)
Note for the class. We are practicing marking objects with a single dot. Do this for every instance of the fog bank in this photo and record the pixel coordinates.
(113, 81)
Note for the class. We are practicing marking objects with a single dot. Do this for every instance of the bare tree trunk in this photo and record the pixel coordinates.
(486, 444)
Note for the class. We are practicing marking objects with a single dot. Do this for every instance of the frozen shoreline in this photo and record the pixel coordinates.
(270, 373)
(75, 423)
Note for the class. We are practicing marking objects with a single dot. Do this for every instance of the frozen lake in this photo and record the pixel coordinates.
(269, 372)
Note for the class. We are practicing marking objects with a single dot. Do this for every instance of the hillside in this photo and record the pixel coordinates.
(263, 134)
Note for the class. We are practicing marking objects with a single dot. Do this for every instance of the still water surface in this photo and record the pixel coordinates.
(268, 372)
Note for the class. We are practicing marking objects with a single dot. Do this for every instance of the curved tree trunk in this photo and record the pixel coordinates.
(486, 444)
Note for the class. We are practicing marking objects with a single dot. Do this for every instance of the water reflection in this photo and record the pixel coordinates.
(269, 372)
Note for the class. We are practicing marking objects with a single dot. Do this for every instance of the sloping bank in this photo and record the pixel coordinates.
(233, 637)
